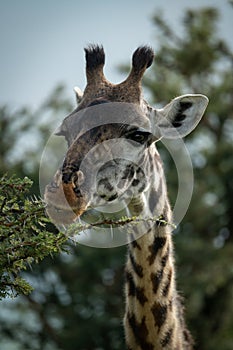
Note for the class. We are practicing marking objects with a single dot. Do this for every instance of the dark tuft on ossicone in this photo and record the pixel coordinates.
(95, 56)
(143, 57)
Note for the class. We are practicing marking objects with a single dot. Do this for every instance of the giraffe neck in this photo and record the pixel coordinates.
(154, 315)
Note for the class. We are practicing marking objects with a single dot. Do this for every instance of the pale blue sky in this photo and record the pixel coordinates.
(42, 41)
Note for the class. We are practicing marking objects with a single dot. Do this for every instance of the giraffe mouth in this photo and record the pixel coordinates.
(107, 225)
(104, 227)
(63, 206)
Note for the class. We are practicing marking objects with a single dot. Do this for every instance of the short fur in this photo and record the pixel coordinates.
(154, 317)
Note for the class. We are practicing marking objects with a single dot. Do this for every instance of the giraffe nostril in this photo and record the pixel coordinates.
(135, 182)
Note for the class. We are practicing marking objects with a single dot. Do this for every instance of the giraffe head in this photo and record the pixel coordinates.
(110, 135)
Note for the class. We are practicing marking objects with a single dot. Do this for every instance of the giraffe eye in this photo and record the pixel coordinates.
(139, 136)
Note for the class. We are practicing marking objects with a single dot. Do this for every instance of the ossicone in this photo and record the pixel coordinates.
(95, 59)
(95, 56)
(142, 58)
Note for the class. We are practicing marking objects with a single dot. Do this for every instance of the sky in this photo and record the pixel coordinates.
(42, 41)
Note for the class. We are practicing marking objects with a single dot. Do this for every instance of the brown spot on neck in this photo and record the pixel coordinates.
(160, 314)
(134, 290)
(155, 247)
(138, 269)
(140, 332)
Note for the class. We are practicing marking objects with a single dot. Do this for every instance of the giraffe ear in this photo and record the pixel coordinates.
(180, 116)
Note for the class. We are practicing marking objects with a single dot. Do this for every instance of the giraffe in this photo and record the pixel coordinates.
(154, 317)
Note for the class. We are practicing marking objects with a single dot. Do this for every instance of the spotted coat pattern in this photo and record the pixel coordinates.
(154, 313)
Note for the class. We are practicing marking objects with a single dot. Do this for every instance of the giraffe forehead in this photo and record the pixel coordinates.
(112, 93)
(105, 117)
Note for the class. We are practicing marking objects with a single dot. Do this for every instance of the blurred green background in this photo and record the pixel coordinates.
(77, 301)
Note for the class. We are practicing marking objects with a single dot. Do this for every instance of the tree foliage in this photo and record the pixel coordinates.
(23, 235)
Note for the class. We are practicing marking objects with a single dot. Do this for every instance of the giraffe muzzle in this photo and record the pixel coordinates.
(65, 200)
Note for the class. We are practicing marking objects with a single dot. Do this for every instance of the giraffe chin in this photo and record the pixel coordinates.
(63, 206)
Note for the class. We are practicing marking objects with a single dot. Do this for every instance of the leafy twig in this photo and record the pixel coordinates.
(24, 235)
